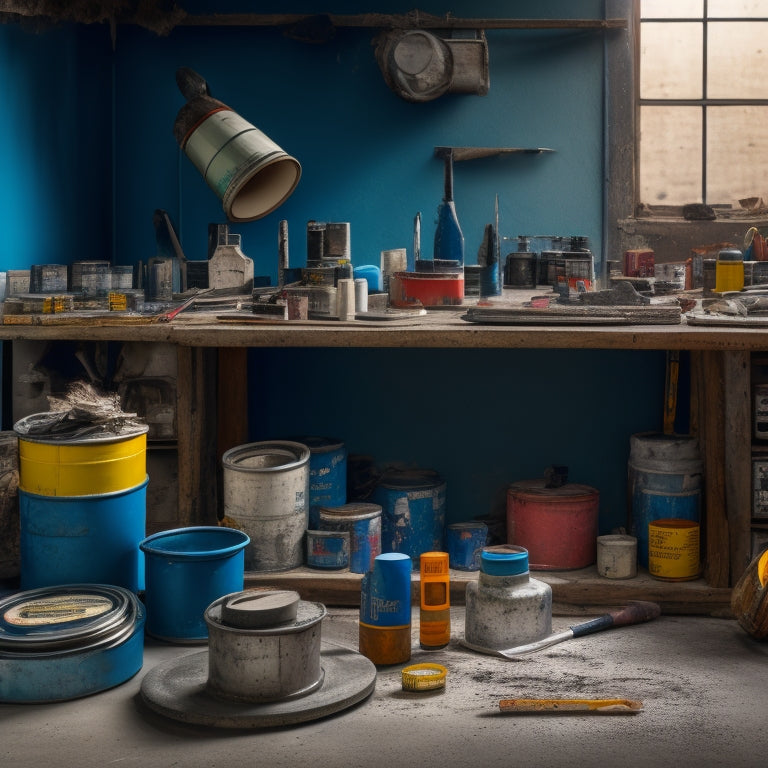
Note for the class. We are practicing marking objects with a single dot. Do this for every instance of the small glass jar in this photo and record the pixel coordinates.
(505, 607)
(729, 271)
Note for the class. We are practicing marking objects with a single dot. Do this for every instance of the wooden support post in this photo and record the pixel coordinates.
(196, 409)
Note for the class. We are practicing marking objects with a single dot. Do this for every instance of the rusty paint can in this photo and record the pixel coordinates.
(465, 542)
(362, 521)
(673, 549)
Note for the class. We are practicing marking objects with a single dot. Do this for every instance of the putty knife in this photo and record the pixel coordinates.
(636, 612)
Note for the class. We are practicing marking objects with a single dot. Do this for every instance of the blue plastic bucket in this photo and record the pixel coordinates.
(327, 475)
(413, 512)
(83, 539)
(186, 570)
(465, 542)
(665, 474)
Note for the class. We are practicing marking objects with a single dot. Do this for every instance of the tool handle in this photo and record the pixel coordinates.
(606, 706)
(635, 612)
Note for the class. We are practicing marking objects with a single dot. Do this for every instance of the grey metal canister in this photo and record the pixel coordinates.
(266, 494)
(505, 607)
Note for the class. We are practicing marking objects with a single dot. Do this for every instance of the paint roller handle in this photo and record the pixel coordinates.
(636, 612)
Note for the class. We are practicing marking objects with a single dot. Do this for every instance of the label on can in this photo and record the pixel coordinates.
(673, 549)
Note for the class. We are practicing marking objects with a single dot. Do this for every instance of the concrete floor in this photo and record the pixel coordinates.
(702, 682)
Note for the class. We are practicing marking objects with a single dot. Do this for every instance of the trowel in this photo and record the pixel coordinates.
(636, 612)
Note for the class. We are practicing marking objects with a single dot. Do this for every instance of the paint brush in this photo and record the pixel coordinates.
(636, 612)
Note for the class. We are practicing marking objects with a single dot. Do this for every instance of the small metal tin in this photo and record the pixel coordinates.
(328, 550)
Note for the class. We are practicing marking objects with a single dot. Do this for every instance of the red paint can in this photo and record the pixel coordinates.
(558, 526)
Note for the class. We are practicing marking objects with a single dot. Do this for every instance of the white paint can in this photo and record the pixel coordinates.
(617, 556)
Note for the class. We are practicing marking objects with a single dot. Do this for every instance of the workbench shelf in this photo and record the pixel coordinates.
(720, 415)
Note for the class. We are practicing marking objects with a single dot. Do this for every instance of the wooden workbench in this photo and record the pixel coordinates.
(208, 344)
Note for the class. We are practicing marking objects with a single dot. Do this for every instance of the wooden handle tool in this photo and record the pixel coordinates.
(597, 706)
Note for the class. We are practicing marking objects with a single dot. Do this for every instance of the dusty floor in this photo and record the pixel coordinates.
(702, 682)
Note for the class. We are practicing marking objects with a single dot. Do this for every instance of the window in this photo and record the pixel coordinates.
(703, 105)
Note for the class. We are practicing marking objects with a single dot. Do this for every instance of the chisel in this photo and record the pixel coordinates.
(636, 612)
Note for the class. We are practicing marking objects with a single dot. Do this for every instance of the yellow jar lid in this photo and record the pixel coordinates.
(424, 677)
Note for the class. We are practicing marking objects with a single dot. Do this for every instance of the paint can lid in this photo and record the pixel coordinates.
(730, 254)
(66, 619)
(424, 677)
(259, 608)
(504, 560)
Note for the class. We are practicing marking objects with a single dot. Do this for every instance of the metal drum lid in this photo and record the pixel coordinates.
(66, 619)
(410, 479)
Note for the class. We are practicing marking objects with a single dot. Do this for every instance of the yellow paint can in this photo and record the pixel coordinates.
(83, 467)
(673, 549)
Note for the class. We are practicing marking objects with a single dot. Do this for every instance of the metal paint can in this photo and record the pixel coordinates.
(91, 278)
(65, 642)
(413, 511)
(465, 542)
(83, 539)
(362, 520)
(328, 550)
(673, 550)
(665, 478)
(557, 526)
(266, 492)
(327, 474)
(99, 464)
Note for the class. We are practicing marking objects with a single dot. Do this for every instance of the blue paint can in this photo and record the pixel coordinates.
(83, 539)
(328, 550)
(413, 512)
(666, 477)
(465, 542)
(68, 641)
(327, 475)
(186, 570)
(362, 521)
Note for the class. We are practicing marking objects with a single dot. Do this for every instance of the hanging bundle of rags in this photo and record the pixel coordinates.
(83, 411)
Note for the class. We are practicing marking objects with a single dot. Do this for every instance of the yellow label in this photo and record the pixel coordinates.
(673, 549)
(118, 302)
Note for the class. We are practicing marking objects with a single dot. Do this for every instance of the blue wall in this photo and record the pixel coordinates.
(88, 154)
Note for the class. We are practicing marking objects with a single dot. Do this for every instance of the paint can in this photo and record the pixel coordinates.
(413, 511)
(266, 493)
(505, 607)
(246, 169)
(465, 542)
(557, 526)
(749, 598)
(66, 642)
(385, 610)
(48, 278)
(327, 474)
(362, 521)
(617, 556)
(520, 270)
(104, 463)
(83, 539)
(432, 289)
(665, 479)
(186, 570)
(392, 260)
(328, 550)
(673, 550)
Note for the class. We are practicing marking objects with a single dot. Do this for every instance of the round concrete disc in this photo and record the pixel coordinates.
(177, 689)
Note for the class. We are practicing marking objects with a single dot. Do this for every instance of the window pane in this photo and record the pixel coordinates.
(670, 155)
(737, 153)
(671, 61)
(676, 9)
(737, 60)
(737, 8)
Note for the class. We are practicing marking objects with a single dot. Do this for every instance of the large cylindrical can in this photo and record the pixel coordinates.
(266, 493)
(363, 522)
(665, 480)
